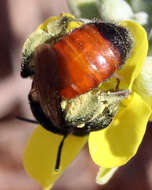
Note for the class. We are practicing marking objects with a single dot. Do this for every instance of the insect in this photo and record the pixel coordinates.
(66, 72)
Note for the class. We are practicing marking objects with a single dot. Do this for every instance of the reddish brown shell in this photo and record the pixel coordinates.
(76, 63)
(85, 58)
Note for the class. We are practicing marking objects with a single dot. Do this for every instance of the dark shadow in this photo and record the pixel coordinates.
(5, 41)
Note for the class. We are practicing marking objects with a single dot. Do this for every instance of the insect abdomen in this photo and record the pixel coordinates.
(86, 57)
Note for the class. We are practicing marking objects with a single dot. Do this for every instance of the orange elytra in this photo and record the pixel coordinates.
(83, 58)
(86, 57)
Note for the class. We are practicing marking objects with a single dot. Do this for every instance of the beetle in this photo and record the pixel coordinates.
(74, 65)
(66, 75)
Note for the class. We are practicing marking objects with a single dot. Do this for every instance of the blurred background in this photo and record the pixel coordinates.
(17, 20)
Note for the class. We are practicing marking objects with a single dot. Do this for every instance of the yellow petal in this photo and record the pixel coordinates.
(43, 26)
(143, 83)
(41, 153)
(71, 25)
(118, 143)
(132, 67)
(138, 54)
(104, 175)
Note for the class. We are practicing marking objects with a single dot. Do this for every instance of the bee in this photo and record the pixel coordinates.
(67, 69)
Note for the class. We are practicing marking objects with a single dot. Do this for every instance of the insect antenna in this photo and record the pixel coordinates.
(27, 120)
(57, 166)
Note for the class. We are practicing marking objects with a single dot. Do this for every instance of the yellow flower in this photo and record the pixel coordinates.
(110, 147)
